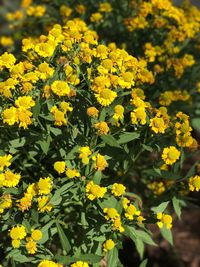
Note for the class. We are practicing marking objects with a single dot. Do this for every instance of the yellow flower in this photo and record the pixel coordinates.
(94, 191)
(102, 128)
(6, 41)
(95, 17)
(44, 186)
(105, 97)
(24, 117)
(111, 213)
(10, 116)
(31, 246)
(43, 204)
(118, 189)
(25, 202)
(60, 88)
(117, 224)
(5, 201)
(66, 107)
(25, 102)
(45, 49)
(92, 112)
(59, 166)
(80, 264)
(170, 155)
(164, 219)
(45, 71)
(139, 116)
(140, 219)
(126, 81)
(7, 60)
(47, 263)
(125, 202)
(130, 211)
(100, 162)
(105, 7)
(16, 243)
(158, 125)
(36, 234)
(18, 232)
(194, 183)
(108, 245)
(119, 112)
(59, 116)
(85, 152)
(11, 179)
(71, 173)
(5, 161)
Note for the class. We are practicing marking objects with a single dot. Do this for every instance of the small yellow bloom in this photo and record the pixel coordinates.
(16, 243)
(60, 88)
(18, 232)
(100, 162)
(105, 97)
(31, 246)
(85, 152)
(130, 211)
(36, 234)
(194, 183)
(170, 155)
(5, 161)
(94, 191)
(111, 213)
(92, 112)
(72, 173)
(102, 128)
(118, 189)
(164, 219)
(108, 245)
(44, 204)
(44, 186)
(59, 166)
(25, 102)
(11, 179)
(80, 264)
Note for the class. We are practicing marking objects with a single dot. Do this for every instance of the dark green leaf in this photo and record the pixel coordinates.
(63, 238)
(127, 137)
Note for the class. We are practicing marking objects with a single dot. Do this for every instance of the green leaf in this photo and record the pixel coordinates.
(177, 206)
(19, 142)
(45, 144)
(160, 208)
(63, 238)
(145, 237)
(127, 137)
(18, 257)
(108, 203)
(110, 140)
(56, 131)
(147, 148)
(130, 232)
(45, 232)
(195, 123)
(64, 259)
(167, 234)
(97, 177)
(56, 199)
(144, 263)
(112, 258)
(90, 258)
(140, 247)
(36, 109)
